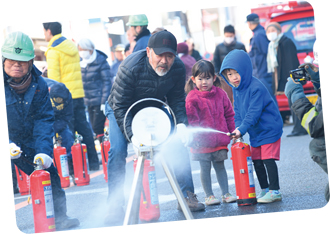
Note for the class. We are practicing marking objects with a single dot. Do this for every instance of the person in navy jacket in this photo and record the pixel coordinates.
(258, 52)
(257, 114)
(30, 118)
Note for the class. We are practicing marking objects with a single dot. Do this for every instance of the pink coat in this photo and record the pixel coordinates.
(211, 109)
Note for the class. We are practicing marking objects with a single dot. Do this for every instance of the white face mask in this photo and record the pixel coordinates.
(84, 54)
(272, 36)
(229, 40)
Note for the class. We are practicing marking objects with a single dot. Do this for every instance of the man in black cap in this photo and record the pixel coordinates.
(258, 52)
(155, 72)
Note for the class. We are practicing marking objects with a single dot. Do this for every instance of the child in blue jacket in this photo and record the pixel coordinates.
(61, 100)
(257, 114)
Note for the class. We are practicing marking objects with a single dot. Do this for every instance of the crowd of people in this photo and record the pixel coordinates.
(233, 93)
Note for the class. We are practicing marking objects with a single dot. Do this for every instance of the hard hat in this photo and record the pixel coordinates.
(18, 46)
(137, 20)
(316, 53)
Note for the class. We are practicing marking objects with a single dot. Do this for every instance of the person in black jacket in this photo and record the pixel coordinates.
(281, 58)
(152, 73)
(311, 116)
(96, 77)
(230, 43)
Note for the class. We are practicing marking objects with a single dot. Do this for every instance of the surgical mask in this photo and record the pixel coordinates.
(84, 54)
(229, 40)
(272, 36)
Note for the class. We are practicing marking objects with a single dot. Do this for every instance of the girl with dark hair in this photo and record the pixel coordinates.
(208, 106)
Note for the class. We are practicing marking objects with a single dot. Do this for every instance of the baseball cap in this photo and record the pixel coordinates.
(162, 42)
(253, 17)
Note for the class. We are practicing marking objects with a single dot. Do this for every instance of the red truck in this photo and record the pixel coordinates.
(297, 22)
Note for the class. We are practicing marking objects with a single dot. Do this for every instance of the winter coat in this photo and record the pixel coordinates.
(64, 64)
(96, 80)
(258, 53)
(142, 40)
(61, 100)
(304, 108)
(287, 60)
(222, 50)
(188, 62)
(255, 110)
(210, 109)
(196, 55)
(136, 79)
(114, 70)
(30, 117)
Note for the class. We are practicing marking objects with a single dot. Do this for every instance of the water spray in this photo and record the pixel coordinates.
(151, 128)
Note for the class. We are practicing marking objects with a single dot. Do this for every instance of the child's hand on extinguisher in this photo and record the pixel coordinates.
(236, 134)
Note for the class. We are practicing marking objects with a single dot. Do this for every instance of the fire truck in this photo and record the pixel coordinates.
(297, 21)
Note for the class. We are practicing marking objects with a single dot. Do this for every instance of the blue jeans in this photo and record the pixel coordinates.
(117, 163)
(67, 140)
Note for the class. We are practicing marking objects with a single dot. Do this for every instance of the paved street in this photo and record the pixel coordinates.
(302, 185)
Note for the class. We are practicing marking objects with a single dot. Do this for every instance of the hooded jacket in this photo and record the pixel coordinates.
(255, 110)
(30, 117)
(210, 109)
(64, 64)
(136, 79)
(97, 80)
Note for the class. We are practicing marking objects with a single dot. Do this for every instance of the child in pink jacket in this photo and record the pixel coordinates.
(209, 107)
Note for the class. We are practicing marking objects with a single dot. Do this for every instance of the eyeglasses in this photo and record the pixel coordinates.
(12, 62)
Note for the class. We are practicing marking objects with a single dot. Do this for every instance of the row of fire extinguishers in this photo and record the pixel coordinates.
(39, 182)
(149, 204)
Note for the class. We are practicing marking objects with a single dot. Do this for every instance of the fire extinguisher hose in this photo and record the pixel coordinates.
(82, 159)
(105, 160)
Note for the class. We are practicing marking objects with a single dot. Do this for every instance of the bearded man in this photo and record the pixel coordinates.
(155, 72)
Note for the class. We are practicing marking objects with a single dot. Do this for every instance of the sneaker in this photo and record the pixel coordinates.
(193, 203)
(263, 193)
(228, 198)
(271, 196)
(211, 200)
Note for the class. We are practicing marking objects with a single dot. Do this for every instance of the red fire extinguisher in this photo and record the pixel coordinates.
(80, 162)
(42, 200)
(61, 162)
(105, 147)
(23, 181)
(149, 204)
(243, 173)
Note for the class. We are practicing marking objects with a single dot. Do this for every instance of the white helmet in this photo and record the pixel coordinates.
(316, 54)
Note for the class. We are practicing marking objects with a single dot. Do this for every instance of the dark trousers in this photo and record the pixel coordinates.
(260, 169)
(59, 199)
(97, 119)
(79, 123)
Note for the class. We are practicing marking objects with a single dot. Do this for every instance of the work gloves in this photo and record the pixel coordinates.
(293, 90)
(14, 151)
(183, 133)
(45, 159)
(313, 72)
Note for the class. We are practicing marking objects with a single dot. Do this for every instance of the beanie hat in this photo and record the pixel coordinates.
(275, 25)
(182, 48)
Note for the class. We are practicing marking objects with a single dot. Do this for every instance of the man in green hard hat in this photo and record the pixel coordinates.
(30, 119)
(139, 27)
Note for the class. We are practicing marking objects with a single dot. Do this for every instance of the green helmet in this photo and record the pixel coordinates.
(137, 20)
(18, 46)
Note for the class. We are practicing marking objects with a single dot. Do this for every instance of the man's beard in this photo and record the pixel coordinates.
(161, 72)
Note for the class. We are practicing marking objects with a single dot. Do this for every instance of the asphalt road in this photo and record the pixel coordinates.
(302, 185)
